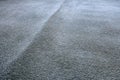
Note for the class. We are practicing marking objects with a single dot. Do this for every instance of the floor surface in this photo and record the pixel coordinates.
(59, 39)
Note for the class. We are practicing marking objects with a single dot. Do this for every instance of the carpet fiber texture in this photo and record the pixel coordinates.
(59, 39)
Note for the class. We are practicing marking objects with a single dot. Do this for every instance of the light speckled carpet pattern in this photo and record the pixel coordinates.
(59, 39)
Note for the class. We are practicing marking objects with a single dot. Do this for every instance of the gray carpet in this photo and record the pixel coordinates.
(59, 39)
